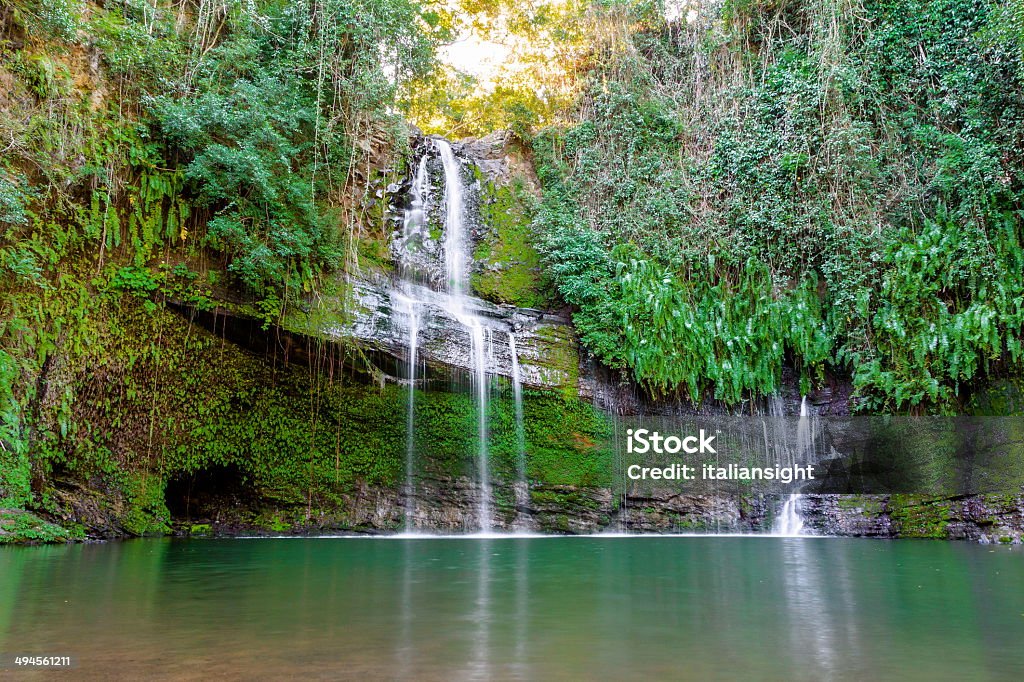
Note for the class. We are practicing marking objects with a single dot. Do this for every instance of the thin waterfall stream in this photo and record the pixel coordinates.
(517, 393)
(789, 522)
(411, 308)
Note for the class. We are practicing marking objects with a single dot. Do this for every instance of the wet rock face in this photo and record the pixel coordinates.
(675, 513)
(451, 505)
(417, 242)
(990, 518)
(500, 157)
(446, 505)
(441, 504)
(545, 343)
(863, 516)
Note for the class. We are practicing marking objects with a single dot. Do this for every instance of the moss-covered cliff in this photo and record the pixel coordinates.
(140, 405)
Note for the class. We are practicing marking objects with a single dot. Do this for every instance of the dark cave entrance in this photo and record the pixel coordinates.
(213, 494)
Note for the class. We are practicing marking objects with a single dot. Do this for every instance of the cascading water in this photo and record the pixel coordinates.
(789, 523)
(457, 268)
(413, 301)
(415, 218)
(454, 223)
(517, 394)
(410, 307)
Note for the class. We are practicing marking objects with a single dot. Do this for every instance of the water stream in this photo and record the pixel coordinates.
(410, 307)
(517, 395)
(789, 523)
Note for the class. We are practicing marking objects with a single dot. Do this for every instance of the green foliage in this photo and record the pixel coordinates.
(58, 19)
(567, 441)
(14, 463)
(46, 77)
(237, 129)
(716, 332)
(262, 124)
(178, 142)
(842, 188)
(727, 334)
(139, 281)
(12, 202)
(19, 527)
(146, 514)
(950, 309)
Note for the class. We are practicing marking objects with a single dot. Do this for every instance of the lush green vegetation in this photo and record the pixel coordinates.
(207, 153)
(833, 187)
(234, 130)
(830, 185)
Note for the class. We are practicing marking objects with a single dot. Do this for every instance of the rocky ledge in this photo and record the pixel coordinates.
(546, 345)
(989, 518)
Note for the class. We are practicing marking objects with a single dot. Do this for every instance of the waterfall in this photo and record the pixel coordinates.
(415, 216)
(408, 306)
(410, 441)
(454, 228)
(480, 384)
(457, 268)
(517, 393)
(432, 294)
(788, 523)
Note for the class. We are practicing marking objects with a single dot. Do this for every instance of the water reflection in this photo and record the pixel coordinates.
(811, 619)
(518, 608)
(480, 664)
(521, 668)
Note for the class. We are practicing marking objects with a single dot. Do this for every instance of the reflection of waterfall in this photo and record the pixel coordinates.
(480, 665)
(813, 616)
(522, 615)
(406, 649)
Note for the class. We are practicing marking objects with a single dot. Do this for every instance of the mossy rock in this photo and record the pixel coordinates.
(509, 268)
(1001, 398)
(22, 527)
(915, 517)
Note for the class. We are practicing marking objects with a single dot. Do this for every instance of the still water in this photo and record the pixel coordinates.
(518, 608)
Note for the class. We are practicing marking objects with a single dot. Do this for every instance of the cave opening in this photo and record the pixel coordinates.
(205, 495)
